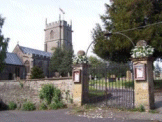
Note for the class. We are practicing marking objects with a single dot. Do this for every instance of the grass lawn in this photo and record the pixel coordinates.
(101, 84)
(95, 92)
(118, 84)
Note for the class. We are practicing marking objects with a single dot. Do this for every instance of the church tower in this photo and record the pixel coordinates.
(58, 34)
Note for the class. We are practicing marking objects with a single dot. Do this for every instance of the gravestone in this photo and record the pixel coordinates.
(112, 78)
(128, 75)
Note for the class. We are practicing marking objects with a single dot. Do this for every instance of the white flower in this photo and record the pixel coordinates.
(80, 60)
(143, 51)
(133, 56)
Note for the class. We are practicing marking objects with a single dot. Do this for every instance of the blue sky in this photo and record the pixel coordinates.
(25, 20)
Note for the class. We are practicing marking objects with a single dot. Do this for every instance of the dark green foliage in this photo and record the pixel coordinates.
(43, 106)
(128, 84)
(141, 108)
(95, 62)
(61, 61)
(96, 67)
(28, 106)
(123, 15)
(61, 105)
(36, 72)
(53, 106)
(12, 105)
(52, 97)
(117, 69)
(153, 111)
(21, 84)
(3, 45)
(56, 105)
(97, 72)
(47, 92)
(157, 84)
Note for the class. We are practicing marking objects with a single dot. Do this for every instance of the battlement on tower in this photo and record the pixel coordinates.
(58, 23)
(57, 34)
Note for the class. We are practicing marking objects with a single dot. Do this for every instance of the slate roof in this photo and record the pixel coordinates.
(12, 58)
(34, 51)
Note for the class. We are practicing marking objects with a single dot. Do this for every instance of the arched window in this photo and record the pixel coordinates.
(27, 66)
(51, 34)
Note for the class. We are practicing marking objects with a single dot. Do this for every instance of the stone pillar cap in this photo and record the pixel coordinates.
(141, 43)
(81, 53)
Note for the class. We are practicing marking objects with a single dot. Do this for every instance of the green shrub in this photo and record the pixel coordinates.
(28, 106)
(12, 105)
(71, 100)
(52, 96)
(43, 106)
(60, 104)
(53, 106)
(141, 108)
(153, 111)
(21, 84)
(37, 72)
(129, 84)
(49, 92)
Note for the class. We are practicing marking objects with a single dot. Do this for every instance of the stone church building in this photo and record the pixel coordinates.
(22, 59)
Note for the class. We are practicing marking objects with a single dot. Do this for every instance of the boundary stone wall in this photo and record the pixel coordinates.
(28, 90)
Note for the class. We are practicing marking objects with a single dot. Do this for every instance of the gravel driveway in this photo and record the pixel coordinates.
(53, 116)
(158, 100)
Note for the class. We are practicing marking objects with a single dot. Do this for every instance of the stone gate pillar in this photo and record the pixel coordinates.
(143, 82)
(81, 85)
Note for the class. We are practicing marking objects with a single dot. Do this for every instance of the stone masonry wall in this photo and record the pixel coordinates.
(28, 90)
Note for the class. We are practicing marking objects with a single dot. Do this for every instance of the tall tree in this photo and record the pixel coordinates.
(123, 15)
(61, 61)
(66, 64)
(37, 72)
(95, 62)
(3, 45)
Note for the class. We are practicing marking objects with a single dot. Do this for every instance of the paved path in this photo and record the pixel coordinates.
(158, 101)
(124, 98)
(119, 97)
(53, 116)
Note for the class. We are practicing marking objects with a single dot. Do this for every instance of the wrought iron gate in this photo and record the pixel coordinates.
(109, 86)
